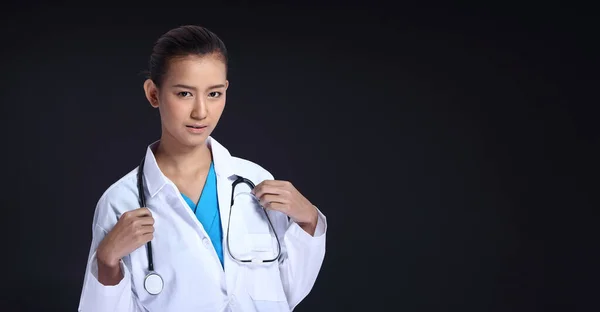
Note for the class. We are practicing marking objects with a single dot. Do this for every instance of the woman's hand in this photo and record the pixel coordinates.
(134, 229)
(284, 197)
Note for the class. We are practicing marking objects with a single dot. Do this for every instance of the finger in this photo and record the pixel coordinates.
(271, 198)
(277, 183)
(277, 206)
(143, 211)
(262, 189)
(146, 238)
(138, 222)
(140, 212)
(147, 229)
(145, 221)
(143, 230)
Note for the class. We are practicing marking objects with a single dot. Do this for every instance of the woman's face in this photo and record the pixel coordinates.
(191, 98)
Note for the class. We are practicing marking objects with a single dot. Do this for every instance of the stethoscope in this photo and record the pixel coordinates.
(153, 282)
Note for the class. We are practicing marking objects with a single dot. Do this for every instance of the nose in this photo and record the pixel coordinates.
(199, 110)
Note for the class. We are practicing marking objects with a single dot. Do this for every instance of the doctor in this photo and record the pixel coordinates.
(203, 248)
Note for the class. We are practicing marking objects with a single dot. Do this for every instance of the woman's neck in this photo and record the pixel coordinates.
(173, 159)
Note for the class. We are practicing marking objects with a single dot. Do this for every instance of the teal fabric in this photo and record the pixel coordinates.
(207, 211)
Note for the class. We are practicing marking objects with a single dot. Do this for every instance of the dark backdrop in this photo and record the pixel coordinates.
(453, 150)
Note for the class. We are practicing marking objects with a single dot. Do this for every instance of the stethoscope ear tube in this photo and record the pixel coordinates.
(153, 283)
(254, 260)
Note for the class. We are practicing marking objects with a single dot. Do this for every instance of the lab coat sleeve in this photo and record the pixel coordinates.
(302, 257)
(96, 297)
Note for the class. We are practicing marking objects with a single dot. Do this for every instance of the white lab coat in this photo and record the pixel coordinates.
(185, 257)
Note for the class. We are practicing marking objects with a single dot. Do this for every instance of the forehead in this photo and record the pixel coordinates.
(195, 70)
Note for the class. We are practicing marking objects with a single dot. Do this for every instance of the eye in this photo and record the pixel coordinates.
(215, 94)
(183, 93)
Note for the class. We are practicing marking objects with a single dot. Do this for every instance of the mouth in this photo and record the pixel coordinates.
(197, 129)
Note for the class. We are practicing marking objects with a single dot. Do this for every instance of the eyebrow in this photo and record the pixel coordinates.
(194, 88)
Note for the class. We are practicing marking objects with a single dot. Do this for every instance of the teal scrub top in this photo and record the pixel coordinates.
(207, 211)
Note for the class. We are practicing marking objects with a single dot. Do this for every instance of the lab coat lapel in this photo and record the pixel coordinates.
(223, 169)
(225, 176)
(224, 194)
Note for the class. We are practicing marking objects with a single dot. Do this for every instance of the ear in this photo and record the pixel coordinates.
(151, 92)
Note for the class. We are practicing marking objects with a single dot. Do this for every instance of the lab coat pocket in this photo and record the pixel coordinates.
(264, 282)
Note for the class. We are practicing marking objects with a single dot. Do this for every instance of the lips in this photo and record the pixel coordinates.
(196, 129)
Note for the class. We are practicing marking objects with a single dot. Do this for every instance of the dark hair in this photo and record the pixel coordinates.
(179, 42)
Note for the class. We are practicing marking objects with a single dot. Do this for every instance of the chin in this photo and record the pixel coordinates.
(193, 141)
(186, 139)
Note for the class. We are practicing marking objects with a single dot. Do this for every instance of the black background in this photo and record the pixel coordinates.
(453, 150)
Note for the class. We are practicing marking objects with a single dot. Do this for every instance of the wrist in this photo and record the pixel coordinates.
(106, 259)
(109, 271)
(310, 225)
(314, 217)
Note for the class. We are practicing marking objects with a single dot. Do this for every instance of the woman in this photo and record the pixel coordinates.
(199, 235)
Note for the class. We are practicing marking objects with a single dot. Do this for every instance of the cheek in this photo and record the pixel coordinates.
(217, 108)
(168, 110)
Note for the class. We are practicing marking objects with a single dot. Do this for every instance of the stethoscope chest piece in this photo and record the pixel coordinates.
(153, 283)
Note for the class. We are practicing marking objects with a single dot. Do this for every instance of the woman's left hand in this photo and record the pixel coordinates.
(283, 196)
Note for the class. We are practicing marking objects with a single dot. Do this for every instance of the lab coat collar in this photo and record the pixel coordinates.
(155, 180)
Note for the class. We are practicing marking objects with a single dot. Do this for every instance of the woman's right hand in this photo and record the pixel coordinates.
(134, 229)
